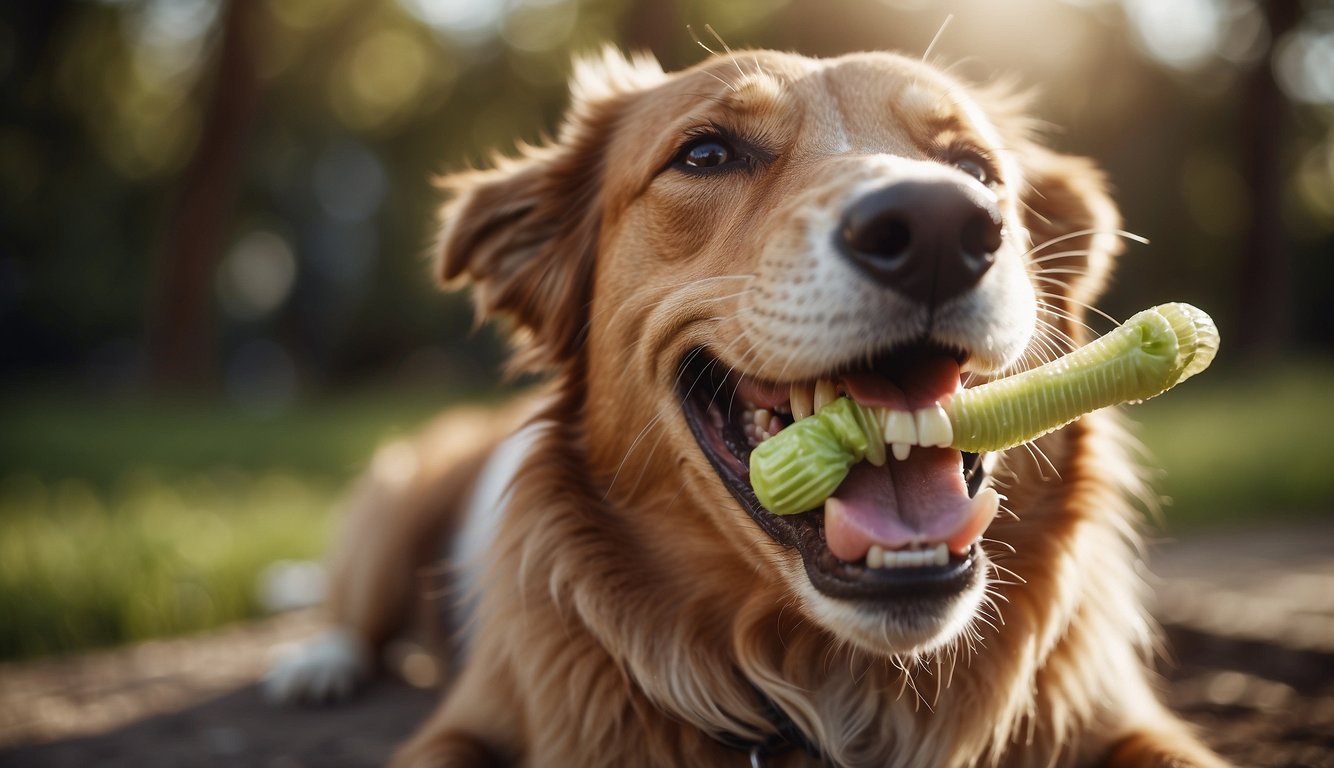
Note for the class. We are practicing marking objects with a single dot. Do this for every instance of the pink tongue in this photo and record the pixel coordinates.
(922, 499)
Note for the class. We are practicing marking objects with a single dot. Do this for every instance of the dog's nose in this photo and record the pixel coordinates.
(930, 240)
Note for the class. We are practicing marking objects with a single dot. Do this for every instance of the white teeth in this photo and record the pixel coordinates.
(878, 557)
(761, 418)
(825, 393)
(900, 428)
(900, 432)
(933, 427)
(803, 401)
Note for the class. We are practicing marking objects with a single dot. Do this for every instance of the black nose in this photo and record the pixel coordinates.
(929, 240)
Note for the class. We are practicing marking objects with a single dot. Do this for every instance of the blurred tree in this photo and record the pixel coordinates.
(1265, 303)
(180, 333)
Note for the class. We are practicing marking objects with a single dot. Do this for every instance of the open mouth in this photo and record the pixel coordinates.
(906, 528)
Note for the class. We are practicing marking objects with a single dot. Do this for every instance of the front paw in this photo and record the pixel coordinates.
(329, 668)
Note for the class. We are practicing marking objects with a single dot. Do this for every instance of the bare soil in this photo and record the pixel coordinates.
(1249, 620)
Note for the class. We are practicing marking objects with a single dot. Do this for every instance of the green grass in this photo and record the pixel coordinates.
(127, 520)
(1244, 445)
(81, 567)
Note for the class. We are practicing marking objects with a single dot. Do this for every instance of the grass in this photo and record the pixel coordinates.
(1245, 445)
(127, 520)
(121, 521)
(81, 567)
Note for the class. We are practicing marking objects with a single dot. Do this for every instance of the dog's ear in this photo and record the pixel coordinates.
(525, 232)
(1073, 225)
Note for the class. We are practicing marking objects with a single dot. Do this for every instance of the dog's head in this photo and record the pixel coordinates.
(702, 254)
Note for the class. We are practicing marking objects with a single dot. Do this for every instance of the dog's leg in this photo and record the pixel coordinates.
(477, 726)
(395, 524)
(1162, 749)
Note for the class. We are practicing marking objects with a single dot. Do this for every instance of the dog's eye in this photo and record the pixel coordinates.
(706, 152)
(976, 168)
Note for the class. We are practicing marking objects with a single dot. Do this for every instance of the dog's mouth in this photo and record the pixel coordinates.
(906, 529)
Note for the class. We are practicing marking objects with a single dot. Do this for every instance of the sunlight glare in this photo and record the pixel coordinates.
(1304, 65)
(458, 16)
(1182, 34)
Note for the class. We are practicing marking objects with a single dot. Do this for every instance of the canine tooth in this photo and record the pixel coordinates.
(986, 499)
(901, 450)
(803, 401)
(933, 427)
(875, 557)
(761, 418)
(825, 393)
(900, 428)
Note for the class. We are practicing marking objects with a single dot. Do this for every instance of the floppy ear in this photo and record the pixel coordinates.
(525, 233)
(1065, 195)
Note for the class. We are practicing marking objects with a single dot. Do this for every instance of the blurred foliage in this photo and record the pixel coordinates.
(1252, 446)
(127, 520)
(82, 567)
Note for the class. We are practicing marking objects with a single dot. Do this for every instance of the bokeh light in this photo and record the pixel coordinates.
(463, 18)
(1181, 33)
(256, 276)
(1304, 64)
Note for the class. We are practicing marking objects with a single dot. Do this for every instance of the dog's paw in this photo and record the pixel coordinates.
(329, 668)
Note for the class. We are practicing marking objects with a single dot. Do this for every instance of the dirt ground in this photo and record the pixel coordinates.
(1249, 618)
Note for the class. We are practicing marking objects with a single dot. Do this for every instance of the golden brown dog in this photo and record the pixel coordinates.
(697, 257)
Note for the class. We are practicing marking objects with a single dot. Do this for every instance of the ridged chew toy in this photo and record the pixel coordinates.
(797, 469)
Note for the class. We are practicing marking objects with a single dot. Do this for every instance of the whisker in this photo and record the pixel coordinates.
(1060, 255)
(1056, 334)
(709, 28)
(939, 33)
(1040, 458)
(1047, 307)
(1083, 233)
(1018, 579)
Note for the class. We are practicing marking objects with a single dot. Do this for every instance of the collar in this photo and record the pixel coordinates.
(785, 737)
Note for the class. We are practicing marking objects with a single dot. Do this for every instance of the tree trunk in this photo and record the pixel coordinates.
(1264, 308)
(181, 340)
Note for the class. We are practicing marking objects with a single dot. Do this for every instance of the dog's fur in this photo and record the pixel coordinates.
(625, 607)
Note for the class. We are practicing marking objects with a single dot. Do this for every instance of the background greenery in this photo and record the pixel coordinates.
(213, 215)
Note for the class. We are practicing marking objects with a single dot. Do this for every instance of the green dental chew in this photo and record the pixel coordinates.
(797, 469)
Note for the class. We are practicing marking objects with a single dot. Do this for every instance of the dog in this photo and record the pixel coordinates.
(695, 261)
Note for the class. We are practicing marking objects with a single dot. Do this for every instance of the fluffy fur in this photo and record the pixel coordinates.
(627, 608)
